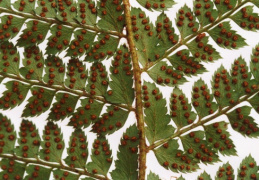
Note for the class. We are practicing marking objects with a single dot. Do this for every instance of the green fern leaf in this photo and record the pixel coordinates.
(155, 111)
(225, 172)
(39, 102)
(180, 178)
(156, 4)
(66, 10)
(77, 151)
(198, 148)
(122, 78)
(248, 127)
(225, 6)
(101, 157)
(8, 136)
(111, 14)
(86, 12)
(111, 121)
(225, 37)
(34, 34)
(104, 47)
(248, 169)
(11, 26)
(26, 6)
(186, 22)
(81, 44)
(204, 175)
(60, 174)
(29, 141)
(202, 50)
(166, 75)
(153, 176)
(17, 169)
(76, 75)
(255, 102)
(98, 80)
(5, 4)
(181, 109)
(202, 99)
(53, 144)
(223, 89)
(127, 162)
(9, 58)
(246, 19)
(205, 12)
(59, 39)
(87, 113)
(182, 61)
(46, 9)
(146, 40)
(54, 71)
(37, 172)
(254, 65)
(63, 107)
(33, 64)
(14, 95)
(170, 157)
(219, 138)
(165, 32)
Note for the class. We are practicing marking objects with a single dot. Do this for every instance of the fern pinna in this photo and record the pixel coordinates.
(110, 44)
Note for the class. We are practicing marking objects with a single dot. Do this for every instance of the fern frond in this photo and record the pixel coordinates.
(230, 89)
(28, 158)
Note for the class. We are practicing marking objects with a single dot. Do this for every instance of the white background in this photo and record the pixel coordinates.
(244, 146)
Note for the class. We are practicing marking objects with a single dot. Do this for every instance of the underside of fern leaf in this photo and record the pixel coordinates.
(77, 66)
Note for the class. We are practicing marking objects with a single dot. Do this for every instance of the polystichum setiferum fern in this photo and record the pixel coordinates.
(91, 93)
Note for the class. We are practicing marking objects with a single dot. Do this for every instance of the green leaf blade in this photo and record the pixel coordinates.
(101, 157)
(219, 138)
(52, 144)
(246, 18)
(166, 75)
(34, 34)
(33, 64)
(77, 151)
(122, 78)
(242, 122)
(225, 37)
(11, 26)
(18, 169)
(152, 176)
(37, 172)
(202, 50)
(181, 109)
(87, 113)
(155, 111)
(8, 136)
(111, 121)
(225, 172)
(127, 162)
(76, 75)
(64, 106)
(39, 102)
(10, 58)
(54, 71)
(202, 100)
(170, 157)
(248, 169)
(156, 4)
(29, 141)
(186, 21)
(254, 65)
(111, 14)
(14, 95)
